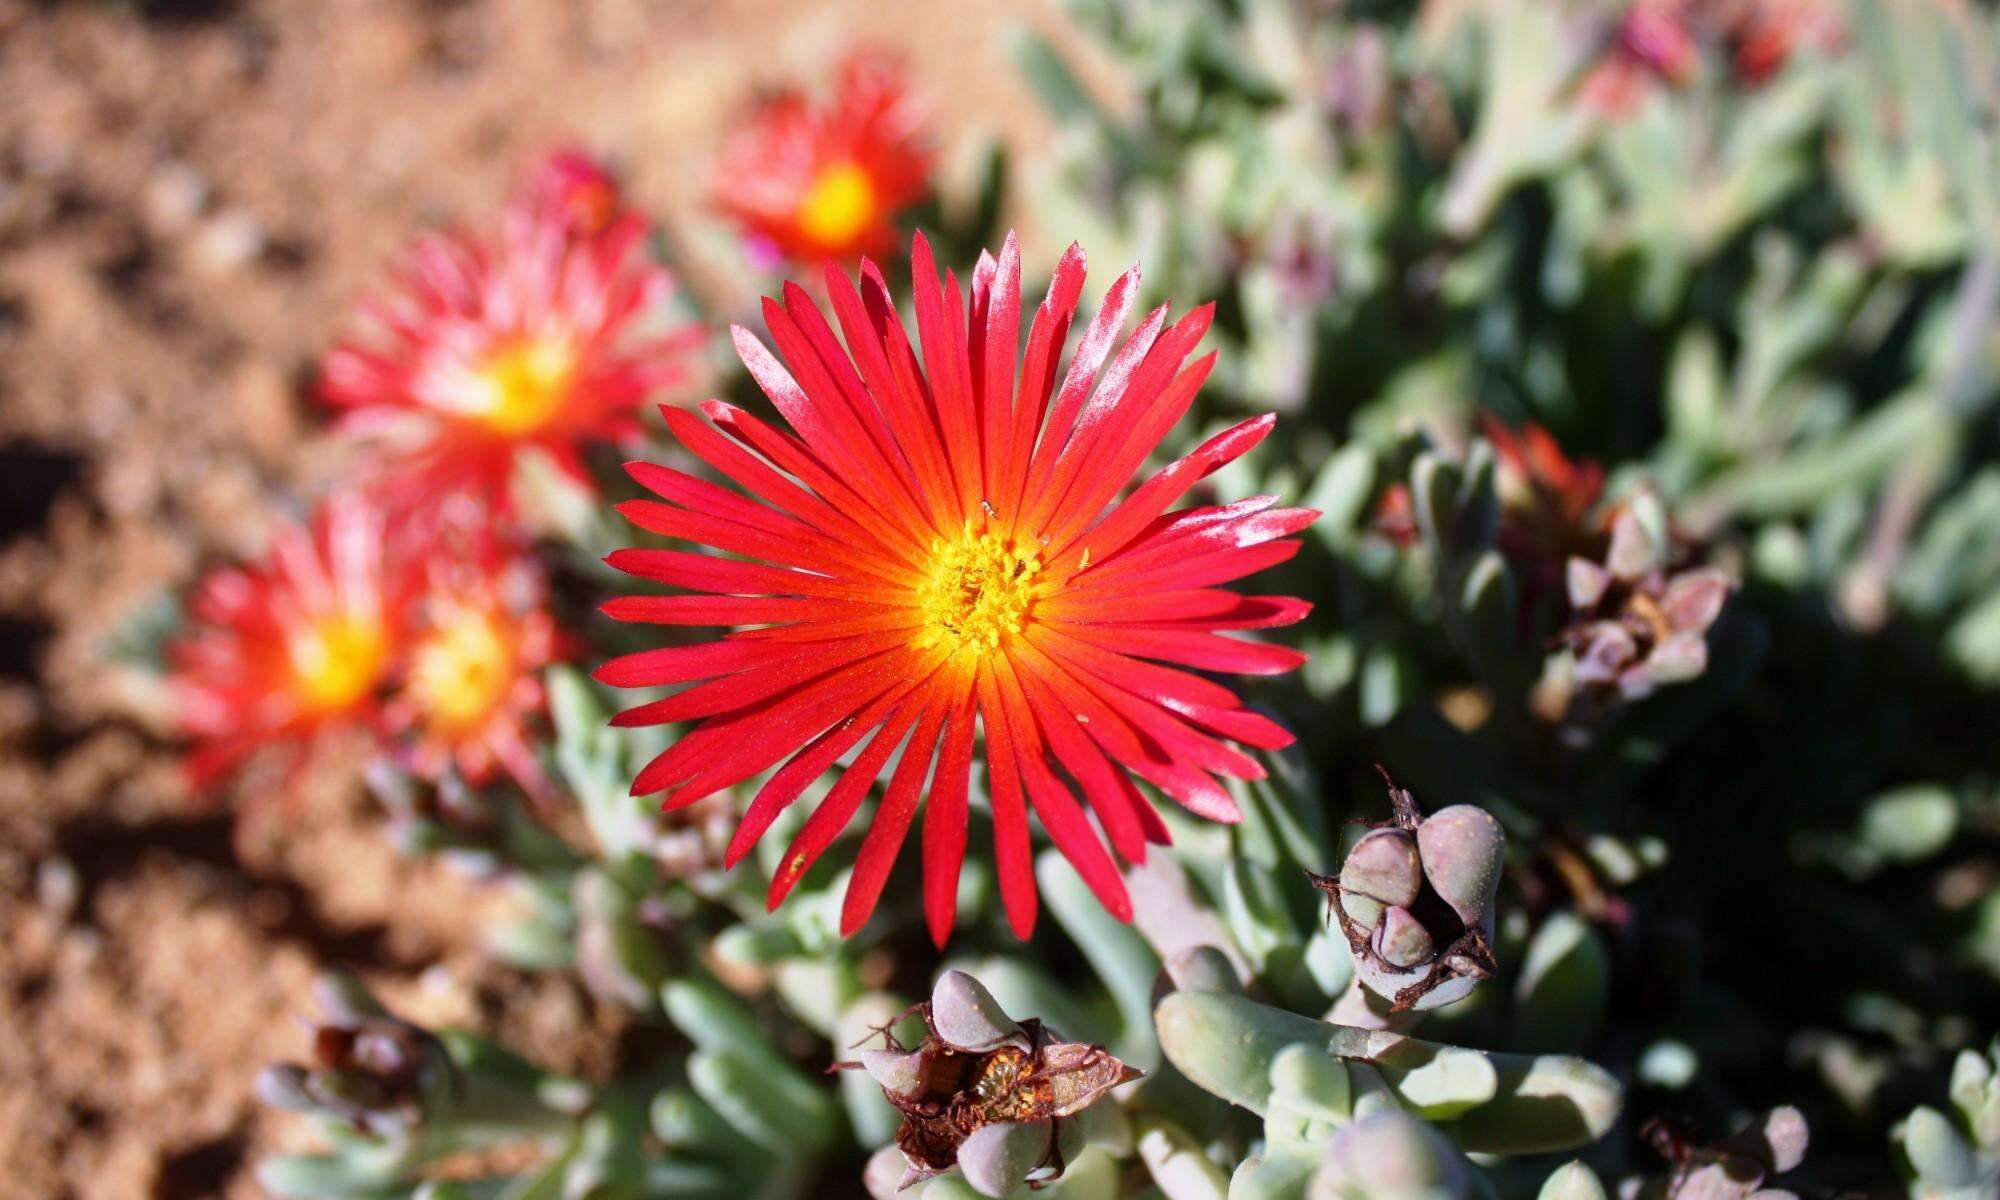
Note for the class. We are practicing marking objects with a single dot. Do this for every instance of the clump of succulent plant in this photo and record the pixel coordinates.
(1956, 1156)
(1415, 900)
(987, 1094)
(1638, 619)
(370, 1068)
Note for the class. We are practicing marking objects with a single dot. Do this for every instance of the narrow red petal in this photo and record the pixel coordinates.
(839, 805)
(1191, 648)
(944, 824)
(1011, 858)
(877, 855)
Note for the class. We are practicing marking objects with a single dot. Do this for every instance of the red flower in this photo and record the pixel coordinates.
(576, 190)
(1770, 31)
(826, 185)
(290, 649)
(1549, 502)
(1653, 43)
(470, 687)
(944, 547)
(1539, 478)
(489, 346)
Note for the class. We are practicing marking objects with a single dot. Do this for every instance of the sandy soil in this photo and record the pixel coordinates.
(191, 192)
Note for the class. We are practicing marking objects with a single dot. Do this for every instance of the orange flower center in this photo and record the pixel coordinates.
(462, 669)
(979, 589)
(839, 207)
(337, 660)
(524, 385)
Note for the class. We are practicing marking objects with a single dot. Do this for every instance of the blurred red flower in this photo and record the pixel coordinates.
(827, 184)
(1549, 507)
(292, 648)
(1539, 479)
(1767, 33)
(943, 546)
(1653, 43)
(533, 338)
(576, 190)
(470, 688)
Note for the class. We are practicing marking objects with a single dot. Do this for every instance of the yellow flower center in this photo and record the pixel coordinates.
(462, 669)
(524, 384)
(839, 207)
(978, 590)
(337, 660)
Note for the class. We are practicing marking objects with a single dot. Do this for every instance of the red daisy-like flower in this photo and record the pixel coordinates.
(470, 687)
(826, 184)
(292, 648)
(943, 550)
(533, 338)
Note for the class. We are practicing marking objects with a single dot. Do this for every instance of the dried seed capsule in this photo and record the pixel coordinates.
(987, 1094)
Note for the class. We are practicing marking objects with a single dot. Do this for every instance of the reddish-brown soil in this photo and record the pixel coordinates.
(191, 193)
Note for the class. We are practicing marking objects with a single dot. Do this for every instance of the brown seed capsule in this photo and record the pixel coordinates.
(985, 1093)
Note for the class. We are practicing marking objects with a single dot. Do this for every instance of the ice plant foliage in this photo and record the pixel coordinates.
(533, 336)
(826, 184)
(293, 647)
(943, 553)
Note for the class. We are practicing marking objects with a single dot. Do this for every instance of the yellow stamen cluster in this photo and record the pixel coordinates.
(839, 206)
(460, 672)
(978, 590)
(523, 385)
(337, 660)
